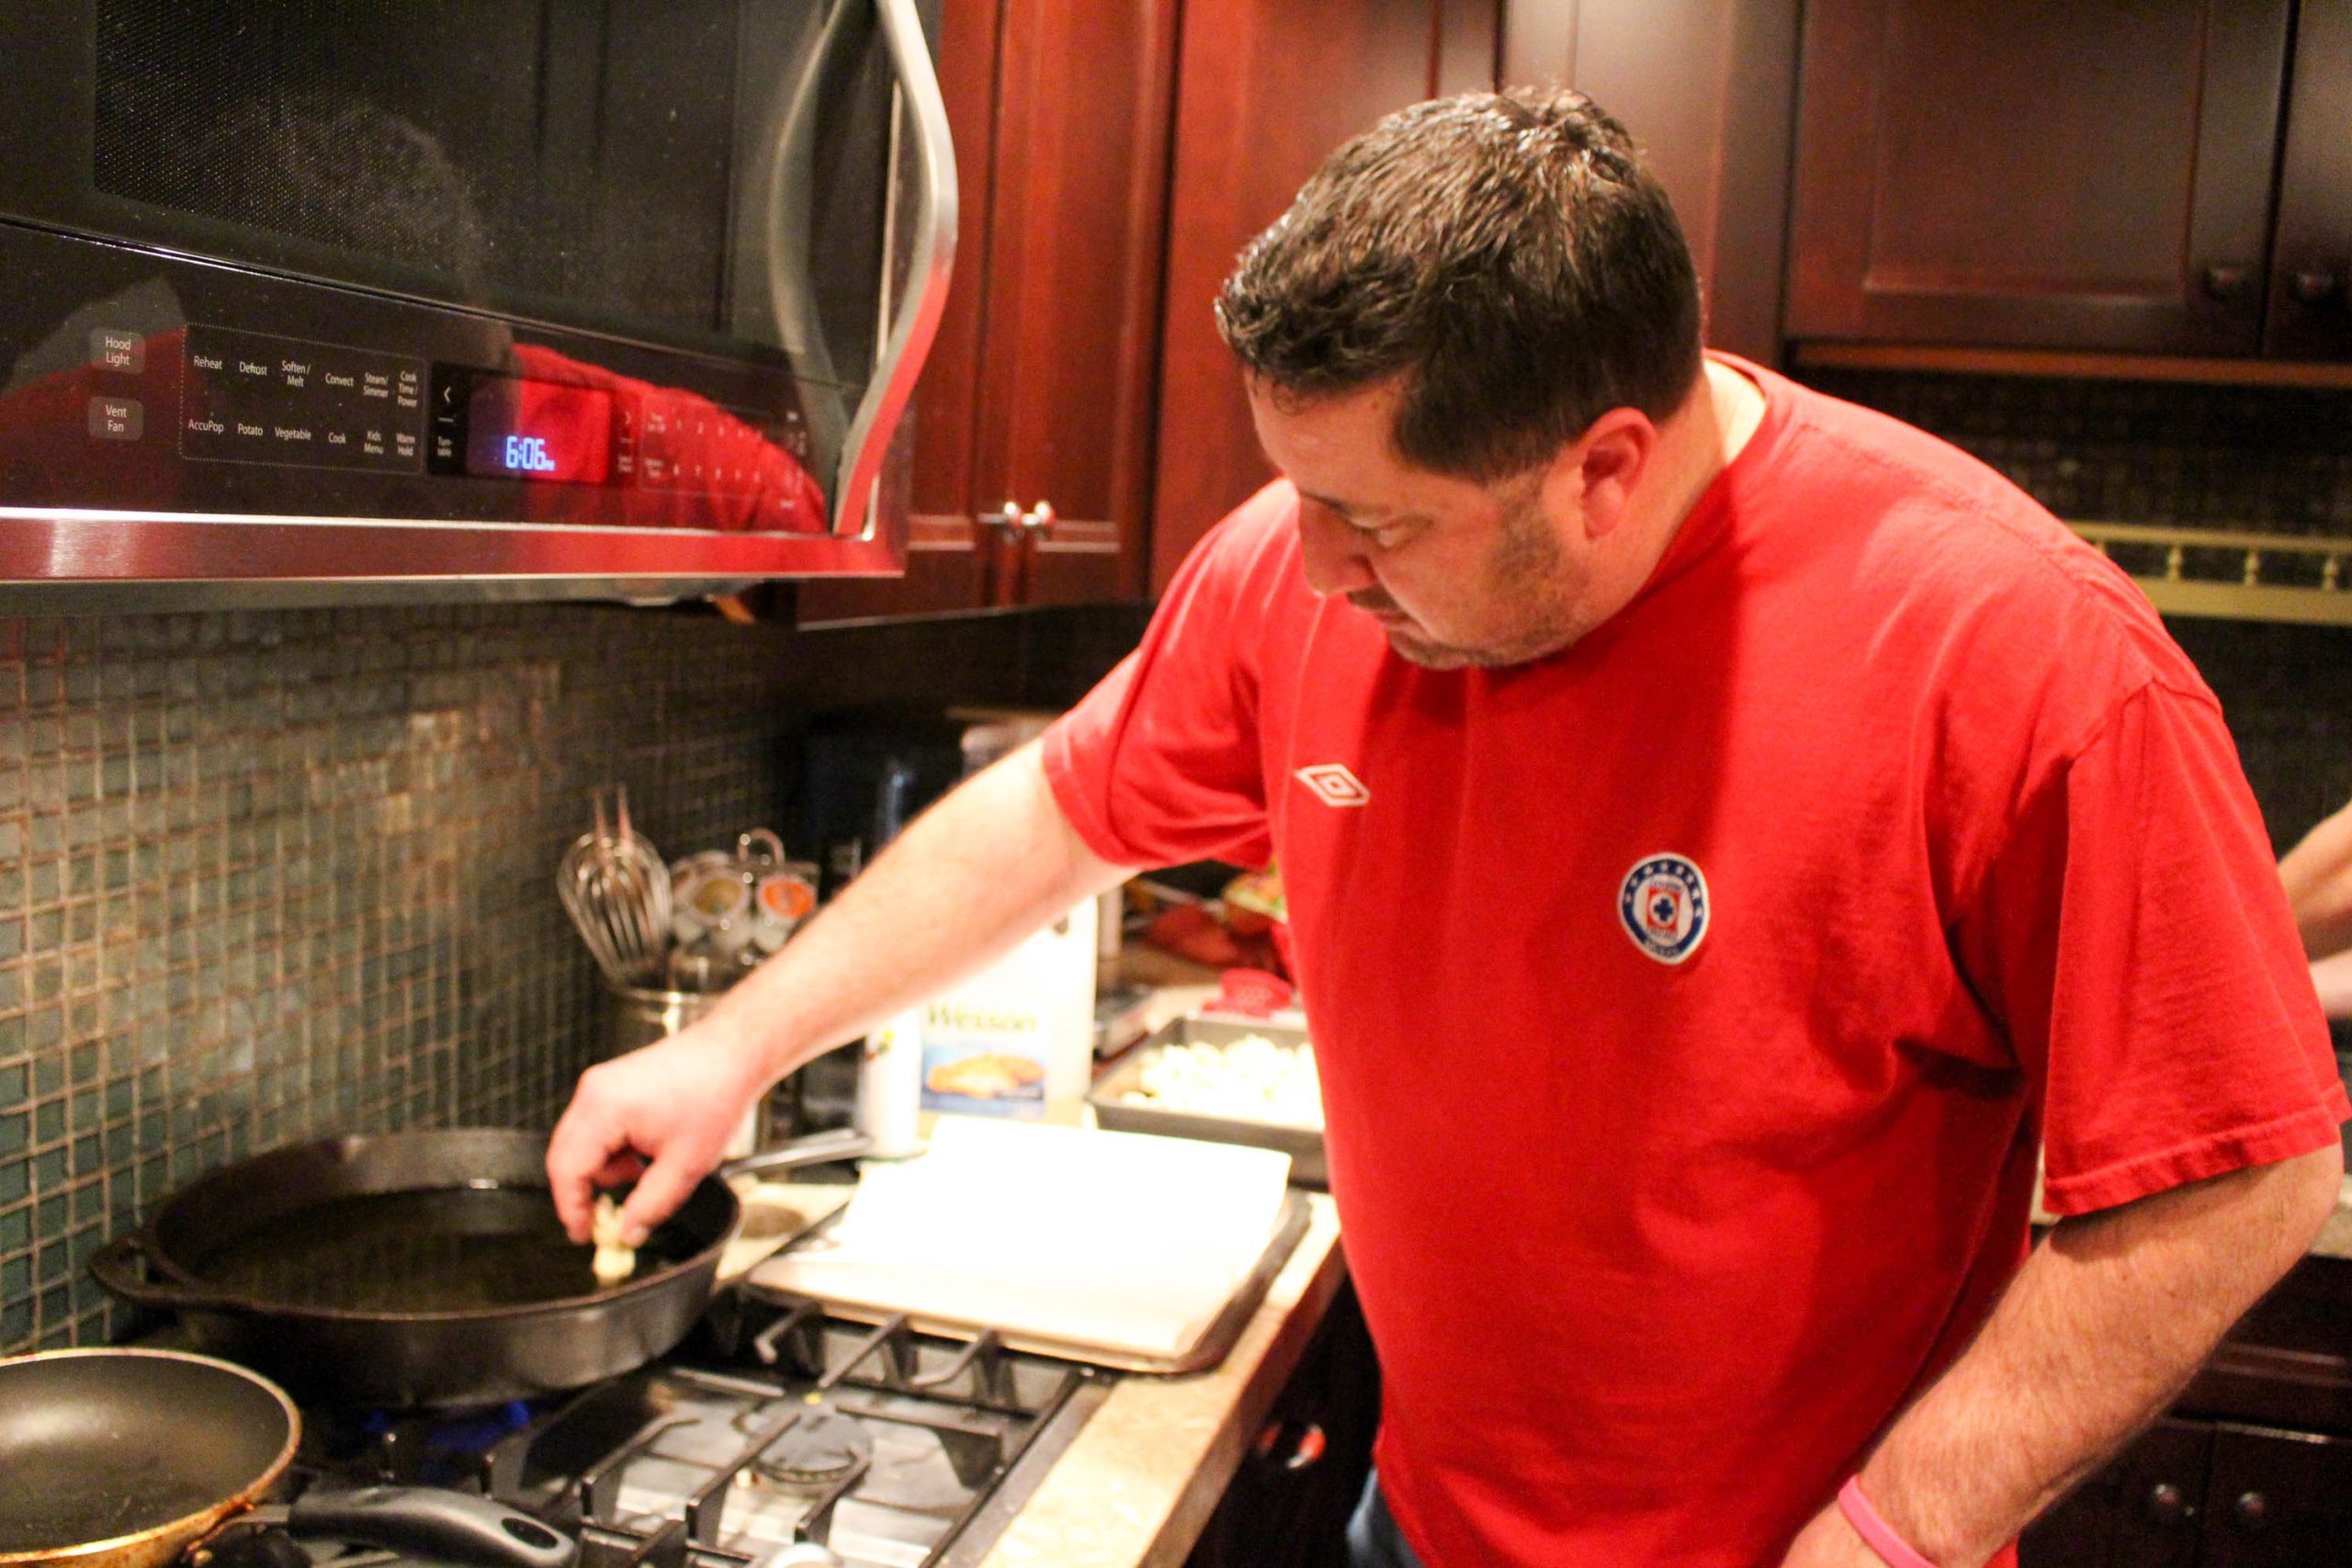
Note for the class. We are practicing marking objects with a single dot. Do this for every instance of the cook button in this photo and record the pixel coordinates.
(116, 419)
(111, 348)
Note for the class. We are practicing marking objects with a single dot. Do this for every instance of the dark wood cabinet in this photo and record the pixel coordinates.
(2206, 1495)
(1033, 420)
(1288, 1503)
(2253, 1466)
(2277, 1500)
(2308, 312)
(2087, 174)
(2145, 1509)
(1708, 87)
(1265, 89)
(1079, 425)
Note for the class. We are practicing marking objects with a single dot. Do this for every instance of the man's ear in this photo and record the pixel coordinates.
(1598, 471)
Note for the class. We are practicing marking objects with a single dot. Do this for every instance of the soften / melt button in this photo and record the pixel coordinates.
(116, 419)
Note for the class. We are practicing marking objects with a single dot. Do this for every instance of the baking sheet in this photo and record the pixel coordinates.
(1304, 1145)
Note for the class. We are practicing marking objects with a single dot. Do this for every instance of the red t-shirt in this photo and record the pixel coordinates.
(1691, 1004)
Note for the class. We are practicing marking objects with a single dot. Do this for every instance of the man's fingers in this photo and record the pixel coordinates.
(659, 1192)
(577, 1156)
(621, 1169)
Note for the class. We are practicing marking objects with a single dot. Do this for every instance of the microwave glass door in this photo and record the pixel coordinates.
(598, 163)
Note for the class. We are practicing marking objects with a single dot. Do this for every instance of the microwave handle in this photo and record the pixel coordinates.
(915, 322)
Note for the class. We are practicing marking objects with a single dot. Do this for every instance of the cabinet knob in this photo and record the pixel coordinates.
(1306, 1443)
(2252, 1510)
(1039, 517)
(2224, 282)
(1005, 516)
(2166, 1505)
(2314, 285)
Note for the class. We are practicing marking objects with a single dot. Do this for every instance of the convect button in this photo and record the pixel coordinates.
(111, 348)
(117, 419)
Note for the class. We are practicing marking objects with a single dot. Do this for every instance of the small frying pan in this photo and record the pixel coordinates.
(124, 1459)
(136, 1458)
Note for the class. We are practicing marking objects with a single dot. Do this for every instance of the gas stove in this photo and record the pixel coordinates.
(778, 1435)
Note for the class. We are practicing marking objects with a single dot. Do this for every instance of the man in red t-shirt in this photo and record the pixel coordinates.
(1729, 837)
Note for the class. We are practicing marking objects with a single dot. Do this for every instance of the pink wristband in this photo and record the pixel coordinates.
(1876, 1532)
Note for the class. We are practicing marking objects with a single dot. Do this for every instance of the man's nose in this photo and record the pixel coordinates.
(1331, 555)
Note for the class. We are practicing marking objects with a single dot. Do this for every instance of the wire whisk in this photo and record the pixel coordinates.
(617, 890)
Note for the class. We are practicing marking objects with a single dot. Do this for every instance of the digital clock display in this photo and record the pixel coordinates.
(539, 430)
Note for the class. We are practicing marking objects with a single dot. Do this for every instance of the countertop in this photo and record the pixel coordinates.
(1140, 1480)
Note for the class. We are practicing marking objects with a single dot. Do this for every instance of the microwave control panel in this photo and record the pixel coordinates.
(249, 398)
(142, 382)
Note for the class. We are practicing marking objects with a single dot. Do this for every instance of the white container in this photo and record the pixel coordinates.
(1018, 1037)
(890, 1087)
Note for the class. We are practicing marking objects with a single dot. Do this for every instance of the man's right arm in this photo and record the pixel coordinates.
(973, 876)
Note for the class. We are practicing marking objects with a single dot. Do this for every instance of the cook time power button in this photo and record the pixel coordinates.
(252, 398)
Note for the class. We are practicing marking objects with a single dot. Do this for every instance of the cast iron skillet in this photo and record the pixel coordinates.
(420, 1268)
(138, 1459)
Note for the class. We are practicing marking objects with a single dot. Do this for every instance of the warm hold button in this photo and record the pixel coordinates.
(111, 348)
(116, 419)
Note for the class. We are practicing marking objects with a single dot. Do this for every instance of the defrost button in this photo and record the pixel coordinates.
(117, 419)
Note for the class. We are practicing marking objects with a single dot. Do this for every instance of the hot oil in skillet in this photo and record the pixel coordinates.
(445, 1250)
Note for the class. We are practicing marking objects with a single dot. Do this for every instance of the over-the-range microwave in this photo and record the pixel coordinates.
(314, 301)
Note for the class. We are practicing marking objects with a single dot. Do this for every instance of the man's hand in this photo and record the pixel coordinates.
(1830, 1542)
(660, 1115)
(2104, 1324)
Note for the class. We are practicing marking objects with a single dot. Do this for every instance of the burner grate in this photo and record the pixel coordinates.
(779, 1435)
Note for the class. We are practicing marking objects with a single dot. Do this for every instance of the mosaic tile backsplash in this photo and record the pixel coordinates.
(2270, 458)
(268, 877)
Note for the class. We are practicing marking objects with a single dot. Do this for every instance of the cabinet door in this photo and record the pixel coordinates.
(1708, 87)
(2279, 1500)
(2060, 174)
(2143, 1510)
(1266, 88)
(950, 560)
(2311, 271)
(1288, 1503)
(1068, 345)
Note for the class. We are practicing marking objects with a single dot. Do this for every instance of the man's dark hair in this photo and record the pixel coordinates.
(1506, 255)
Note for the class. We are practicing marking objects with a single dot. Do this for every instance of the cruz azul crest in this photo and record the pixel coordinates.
(1663, 906)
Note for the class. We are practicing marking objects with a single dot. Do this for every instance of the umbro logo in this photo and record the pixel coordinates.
(1333, 784)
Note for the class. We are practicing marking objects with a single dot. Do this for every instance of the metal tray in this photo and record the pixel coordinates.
(1304, 1145)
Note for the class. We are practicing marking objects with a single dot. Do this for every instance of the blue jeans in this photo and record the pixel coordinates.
(1374, 1541)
